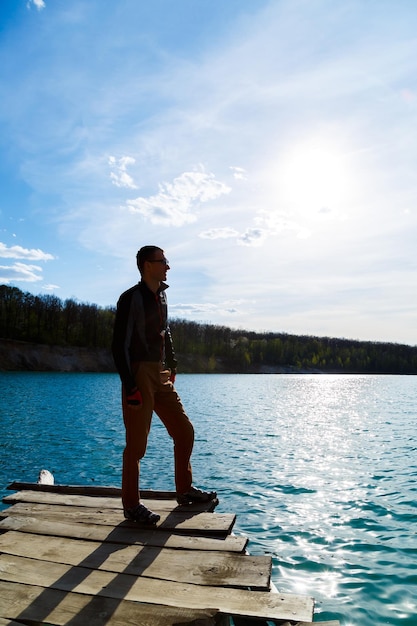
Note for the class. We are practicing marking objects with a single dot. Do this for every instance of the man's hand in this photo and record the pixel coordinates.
(172, 377)
(134, 398)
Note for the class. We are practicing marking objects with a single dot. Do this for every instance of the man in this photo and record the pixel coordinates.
(144, 357)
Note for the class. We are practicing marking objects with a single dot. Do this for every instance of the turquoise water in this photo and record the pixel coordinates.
(321, 471)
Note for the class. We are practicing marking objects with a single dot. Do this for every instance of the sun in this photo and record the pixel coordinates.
(314, 175)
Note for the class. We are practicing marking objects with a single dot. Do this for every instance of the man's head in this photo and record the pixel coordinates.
(147, 253)
(152, 263)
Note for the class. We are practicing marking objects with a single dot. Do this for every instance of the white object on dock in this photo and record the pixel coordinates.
(45, 478)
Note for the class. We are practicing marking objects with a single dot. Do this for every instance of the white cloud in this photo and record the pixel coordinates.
(17, 252)
(239, 173)
(50, 287)
(119, 176)
(175, 202)
(219, 233)
(253, 237)
(203, 311)
(248, 237)
(276, 222)
(39, 4)
(20, 272)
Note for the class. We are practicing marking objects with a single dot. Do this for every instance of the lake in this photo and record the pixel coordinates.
(320, 470)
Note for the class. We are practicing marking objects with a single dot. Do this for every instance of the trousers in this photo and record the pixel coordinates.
(159, 396)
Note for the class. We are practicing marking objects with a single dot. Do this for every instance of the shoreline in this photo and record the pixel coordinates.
(26, 356)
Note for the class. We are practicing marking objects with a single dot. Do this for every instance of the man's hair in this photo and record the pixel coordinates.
(146, 253)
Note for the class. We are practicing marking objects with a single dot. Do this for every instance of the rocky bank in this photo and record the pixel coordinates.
(26, 356)
(16, 356)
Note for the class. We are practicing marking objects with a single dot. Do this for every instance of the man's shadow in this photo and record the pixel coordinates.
(99, 608)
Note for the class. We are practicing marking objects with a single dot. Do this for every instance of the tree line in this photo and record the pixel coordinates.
(46, 319)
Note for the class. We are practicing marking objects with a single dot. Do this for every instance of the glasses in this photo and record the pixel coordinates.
(164, 261)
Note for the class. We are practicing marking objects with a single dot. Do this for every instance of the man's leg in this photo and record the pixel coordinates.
(137, 421)
(171, 412)
(169, 409)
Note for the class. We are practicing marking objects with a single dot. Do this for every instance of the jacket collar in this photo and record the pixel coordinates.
(162, 286)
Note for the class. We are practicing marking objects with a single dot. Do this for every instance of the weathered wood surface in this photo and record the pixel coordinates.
(97, 502)
(125, 533)
(89, 490)
(37, 605)
(73, 559)
(108, 511)
(218, 569)
(141, 589)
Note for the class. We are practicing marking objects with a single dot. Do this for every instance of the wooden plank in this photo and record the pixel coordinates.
(110, 492)
(88, 490)
(45, 497)
(172, 515)
(148, 495)
(82, 580)
(106, 502)
(176, 521)
(210, 568)
(123, 534)
(220, 521)
(36, 605)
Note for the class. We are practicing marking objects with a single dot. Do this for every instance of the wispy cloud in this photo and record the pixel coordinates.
(219, 233)
(267, 224)
(276, 222)
(252, 237)
(201, 309)
(249, 237)
(50, 287)
(239, 173)
(119, 176)
(17, 252)
(175, 203)
(20, 272)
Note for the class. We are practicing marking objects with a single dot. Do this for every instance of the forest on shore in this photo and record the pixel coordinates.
(48, 321)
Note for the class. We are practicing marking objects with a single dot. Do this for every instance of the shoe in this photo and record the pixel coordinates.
(194, 496)
(141, 514)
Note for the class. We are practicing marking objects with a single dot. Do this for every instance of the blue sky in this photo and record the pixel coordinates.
(269, 147)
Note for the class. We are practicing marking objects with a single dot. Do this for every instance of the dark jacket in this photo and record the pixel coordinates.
(141, 331)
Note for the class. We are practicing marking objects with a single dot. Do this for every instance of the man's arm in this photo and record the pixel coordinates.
(122, 334)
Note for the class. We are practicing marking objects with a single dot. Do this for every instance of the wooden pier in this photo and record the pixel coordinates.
(68, 557)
